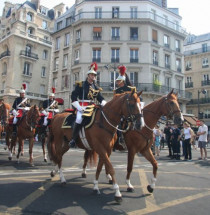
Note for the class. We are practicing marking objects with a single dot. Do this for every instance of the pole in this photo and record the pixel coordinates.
(198, 104)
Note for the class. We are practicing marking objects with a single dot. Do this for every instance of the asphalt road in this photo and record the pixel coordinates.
(181, 188)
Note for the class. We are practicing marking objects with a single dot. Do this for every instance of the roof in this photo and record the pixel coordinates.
(191, 39)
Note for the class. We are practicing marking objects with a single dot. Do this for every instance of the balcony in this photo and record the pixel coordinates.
(201, 101)
(134, 37)
(45, 41)
(29, 55)
(115, 37)
(77, 40)
(97, 60)
(205, 66)
(76, 62)
(188, 84)
(196, 51)
(5, 54)
(166, 45)
(155, 62)
(150, 88)
(96, 38)
(205, 83)
(115, 60)
(167, 66)
(177, 49)
(134, 60)
(179, 69)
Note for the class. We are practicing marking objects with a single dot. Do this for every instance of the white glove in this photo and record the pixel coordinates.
(45, 112)
(27, 108)
(103, 103)
(56, 110)
(78, 106)
(14, 112)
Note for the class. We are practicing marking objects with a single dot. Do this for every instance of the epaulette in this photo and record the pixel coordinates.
(79, 83)
(133, 89)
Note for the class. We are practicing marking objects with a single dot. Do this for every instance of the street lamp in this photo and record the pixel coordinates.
(114, 67)
(204, 92)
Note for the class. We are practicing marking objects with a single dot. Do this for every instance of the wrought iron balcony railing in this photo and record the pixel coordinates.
(188, 84)
(5, 54)
(29, 54)
(205, 83)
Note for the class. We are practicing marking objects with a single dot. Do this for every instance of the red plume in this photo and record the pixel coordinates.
(94, 66)
(122, 70)
(53, 89)
(24, 86)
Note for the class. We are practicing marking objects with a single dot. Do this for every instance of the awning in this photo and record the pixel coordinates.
(191, 120)
(60, 101)
(97, 29)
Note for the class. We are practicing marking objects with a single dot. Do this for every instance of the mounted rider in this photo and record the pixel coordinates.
(20, 106)
(82, 96)
(50, 108)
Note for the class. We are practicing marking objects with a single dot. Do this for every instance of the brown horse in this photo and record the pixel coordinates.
(100, 136)
(26, 130)
(140, 141)
(4, 115)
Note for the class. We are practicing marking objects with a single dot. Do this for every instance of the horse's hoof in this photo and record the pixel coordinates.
(52, 174)
(150, 189)
(45, 160)
(96, 192)
(84, 175)
(130, 190)
(9, 158)
(110, 182)
(118, 199)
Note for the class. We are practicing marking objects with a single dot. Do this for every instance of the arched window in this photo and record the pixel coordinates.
(5, 68)
(30, 30)
(29, 17)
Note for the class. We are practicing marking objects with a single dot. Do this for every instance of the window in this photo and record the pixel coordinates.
(205, 62)
(44, 24)
(56, 63)
(43, 10)
(68, 21)
(188, 65)
(155, 57)
(76, 76)
(154, 36)
(98, 78)
(178, 65)
(204, 47)
(59, 13)
(3, 85)
(166, 41)
(26, 70)
(30, 30)
(76, 56)
(4, 68)
(57, 44)
(115, 33)
(155, 77)
(115, 55)
(78, 36)
(206, 77)
(46, 37)
(133, 12)
(168, 83)
(153, 14)
(42, 89)
(134, 33)
(134, 55)
(43, 72)
(97, 55)
(28, 50)
(167, 61)
(115, 12)
(44, 54)
(179, 85)
(80, 13)
(65, 60)
(55, 82)
(98, 13)
(113, 78)
(176, 25)
(59, 25)
(134, 78)
(65, 82)
(67, 39)
(189, 79)
(177, 45)
(29, 17)
(97, 33)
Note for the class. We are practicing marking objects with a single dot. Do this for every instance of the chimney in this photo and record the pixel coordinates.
(37, 3)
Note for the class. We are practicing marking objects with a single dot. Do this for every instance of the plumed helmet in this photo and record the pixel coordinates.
(23, 88)
(93, 68)
(53, 92)
(121, 76)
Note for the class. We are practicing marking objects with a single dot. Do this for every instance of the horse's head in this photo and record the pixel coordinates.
(171, 108)
(33, 116)
(131, 107)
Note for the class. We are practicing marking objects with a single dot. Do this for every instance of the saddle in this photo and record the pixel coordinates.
(88, 117)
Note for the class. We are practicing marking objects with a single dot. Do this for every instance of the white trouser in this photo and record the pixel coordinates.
(79, 117)
(15, 120)
(45, 121)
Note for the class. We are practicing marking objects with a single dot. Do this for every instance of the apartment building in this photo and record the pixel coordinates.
(25, 49)
(197, 75)
(145, 36)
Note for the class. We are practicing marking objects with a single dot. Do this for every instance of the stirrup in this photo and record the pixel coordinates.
(72, 144)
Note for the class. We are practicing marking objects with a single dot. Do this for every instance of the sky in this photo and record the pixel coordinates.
(195, 13)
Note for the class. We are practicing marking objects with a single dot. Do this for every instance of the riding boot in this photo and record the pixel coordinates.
(75, 133)
(14, 132)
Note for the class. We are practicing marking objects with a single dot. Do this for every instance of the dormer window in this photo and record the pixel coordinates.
(29, 17)
(44, 11)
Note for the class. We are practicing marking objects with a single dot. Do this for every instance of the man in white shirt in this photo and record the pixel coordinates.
(202, 141)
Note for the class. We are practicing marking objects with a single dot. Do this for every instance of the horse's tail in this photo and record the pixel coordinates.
(92, 157)
(51, 145)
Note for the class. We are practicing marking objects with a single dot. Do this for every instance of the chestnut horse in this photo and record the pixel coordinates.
(26, 130)
(100, 136)
(4, 114)
(140, 141)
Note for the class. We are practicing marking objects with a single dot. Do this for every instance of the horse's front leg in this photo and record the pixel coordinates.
(150, 157)
(43, 149)
(98, 171)
(86, 157)
(20, 143)
(130, 160)
(31, 144)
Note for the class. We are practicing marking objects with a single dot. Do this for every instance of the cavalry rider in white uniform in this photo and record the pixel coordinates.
(20, 105)
(80, 100)
(50, 107)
